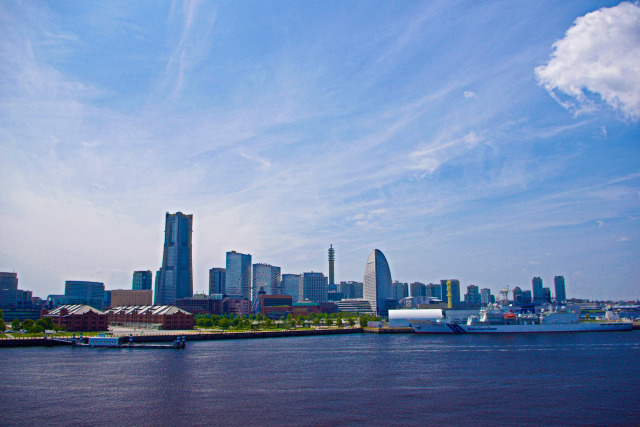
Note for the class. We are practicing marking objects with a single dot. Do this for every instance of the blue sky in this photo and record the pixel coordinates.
(485, 141)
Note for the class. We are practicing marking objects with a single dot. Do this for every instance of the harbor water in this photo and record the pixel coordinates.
(358, 379)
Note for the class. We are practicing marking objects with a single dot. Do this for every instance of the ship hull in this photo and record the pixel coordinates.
(429, 327)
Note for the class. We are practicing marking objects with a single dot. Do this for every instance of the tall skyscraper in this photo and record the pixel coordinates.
(417, 289)
(141, 280)
(313, 286)
(217, 280)
(238, 281)
(455, 291)
(267, 278)
(400, 290)
(537, 290)
(485, 296)
(561, 293)
(291, 286)
(473, 295)
(377, 287)
(9, 281)
(80, 292)
(175, 278)
(332, 259)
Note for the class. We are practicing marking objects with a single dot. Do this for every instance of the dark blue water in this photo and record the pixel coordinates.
(361, 379)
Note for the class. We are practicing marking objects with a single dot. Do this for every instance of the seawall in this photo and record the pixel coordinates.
(169, 336)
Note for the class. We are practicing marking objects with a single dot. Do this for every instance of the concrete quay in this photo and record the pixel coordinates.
(169, 336)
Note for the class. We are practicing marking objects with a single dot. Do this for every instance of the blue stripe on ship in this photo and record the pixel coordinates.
(456, 329)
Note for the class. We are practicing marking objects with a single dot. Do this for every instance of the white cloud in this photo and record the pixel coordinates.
(436, 153)
(469, 94)
(600, 54)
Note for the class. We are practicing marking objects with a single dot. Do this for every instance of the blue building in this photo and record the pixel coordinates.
(377, 285)
(89, 293)
(537, 290)
(455, 292)
(291, 286)
(561, 293)
(217, 281)
(238, 280)
(175, 278)
(142, 280)
(314, 287)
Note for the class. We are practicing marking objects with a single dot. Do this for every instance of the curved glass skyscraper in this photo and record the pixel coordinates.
(377, 287)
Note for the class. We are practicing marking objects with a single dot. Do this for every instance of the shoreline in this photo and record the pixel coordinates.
(190, 335)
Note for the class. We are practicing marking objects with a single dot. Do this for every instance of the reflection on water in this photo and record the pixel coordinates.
(581, 378)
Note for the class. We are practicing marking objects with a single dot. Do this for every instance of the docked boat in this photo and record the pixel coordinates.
(495, 319)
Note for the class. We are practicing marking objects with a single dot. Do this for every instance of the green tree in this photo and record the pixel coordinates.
(352, 322)
(15, 324)
(1, 314)
(329, 322)
(316, 321)
(292, 322)
(46, 323)
(27, 324)
(267, 323)
(3, 325)
(224, 323)
(363, 321)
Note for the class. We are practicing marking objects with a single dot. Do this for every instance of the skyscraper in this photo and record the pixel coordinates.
(266, 277)
(377, 287)
(485, 296)
(238, 281)
(455, 291)
(217, 280)
(80, 292)
(141, 280)
(537, 290)
(332, 259)
(175, 278)
(561, 293)
(291, 286)
(313, 286)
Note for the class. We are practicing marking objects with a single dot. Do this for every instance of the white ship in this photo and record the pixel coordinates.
(494, 319)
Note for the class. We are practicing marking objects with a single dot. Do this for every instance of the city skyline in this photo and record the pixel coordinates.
(463, 140)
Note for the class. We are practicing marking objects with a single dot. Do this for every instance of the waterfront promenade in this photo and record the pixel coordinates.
(144, 336)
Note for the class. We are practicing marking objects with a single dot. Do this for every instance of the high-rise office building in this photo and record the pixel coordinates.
(332, 259)
(350, 290)
(377, 283)
(267, 278)
(537, 290)
(8, 281)
(175, 277)
(400, 290)
(314, 287)
(485, 296)
(217, 281)
(141, 280)
(455, 291)
(473, 295)
(433, 290)
(81, 292)
(291, 286)
(517, 294)
(417, 289)
(238, 281)
(561, 293)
